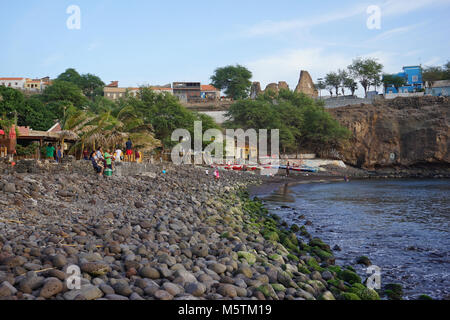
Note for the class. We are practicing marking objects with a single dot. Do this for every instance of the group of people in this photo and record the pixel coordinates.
(54, 153)
(102, 161)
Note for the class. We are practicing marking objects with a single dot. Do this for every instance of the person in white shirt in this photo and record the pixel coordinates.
(118, 155)
(99, 153)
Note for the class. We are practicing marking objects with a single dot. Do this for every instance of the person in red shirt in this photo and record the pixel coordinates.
(86, 154)
(137, 155)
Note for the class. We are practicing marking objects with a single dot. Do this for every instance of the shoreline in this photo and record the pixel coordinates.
(336, 174)
(391, 291)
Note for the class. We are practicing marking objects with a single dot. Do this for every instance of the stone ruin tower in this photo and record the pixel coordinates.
(256, 90)
(306, 85)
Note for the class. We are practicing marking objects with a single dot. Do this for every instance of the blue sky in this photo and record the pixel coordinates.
(156, 42)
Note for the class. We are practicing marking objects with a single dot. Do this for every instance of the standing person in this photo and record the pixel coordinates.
(129, 149)
(85, 154)
(50, 150)
(59, 154)
(137, 155)
(118, 155)
(288, 169)
(217, 174)
(55, 155)
(108, 159)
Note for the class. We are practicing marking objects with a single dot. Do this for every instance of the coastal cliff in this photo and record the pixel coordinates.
(404, 132)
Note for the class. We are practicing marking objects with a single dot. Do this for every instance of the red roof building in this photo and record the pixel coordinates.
(210, 92)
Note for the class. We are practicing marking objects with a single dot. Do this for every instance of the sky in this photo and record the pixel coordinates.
(146, 42)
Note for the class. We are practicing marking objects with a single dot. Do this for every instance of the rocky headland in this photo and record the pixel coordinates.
(397, 135)
(175, 236)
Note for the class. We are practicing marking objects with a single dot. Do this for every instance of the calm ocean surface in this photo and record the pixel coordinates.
(403, 226)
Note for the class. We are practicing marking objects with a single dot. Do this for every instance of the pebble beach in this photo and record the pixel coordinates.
(177, 236)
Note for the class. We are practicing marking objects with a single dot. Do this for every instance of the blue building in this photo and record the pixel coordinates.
(414, 80)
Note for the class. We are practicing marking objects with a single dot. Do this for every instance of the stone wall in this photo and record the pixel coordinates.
(391, 96)
(81, 166)
(345, 101)
(274, 87)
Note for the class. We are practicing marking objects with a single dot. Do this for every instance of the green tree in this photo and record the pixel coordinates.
(343, 77)
(11, 100)
(393, 80)
(101, 104)
(367, 71)
(35, 114)
(91, 85)
(351, 85)
(29, 111)
(253, 114)
(447, 71)
(71, 75)
(302, 121)
(320, 85)
(436, 73)
(333, 80)
(376, 82)
(235, 80)
(61, 91)
(165, 114)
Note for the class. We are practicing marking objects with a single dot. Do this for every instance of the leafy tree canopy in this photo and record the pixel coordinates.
(91, 85)
(436, 73)
(367, 71)
(62, 90)
(303, 122)
(393, 80)
(235, 80)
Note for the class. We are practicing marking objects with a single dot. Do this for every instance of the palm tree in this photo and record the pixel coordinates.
(111, 128)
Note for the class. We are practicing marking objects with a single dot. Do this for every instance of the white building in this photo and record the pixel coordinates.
(15, 83)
